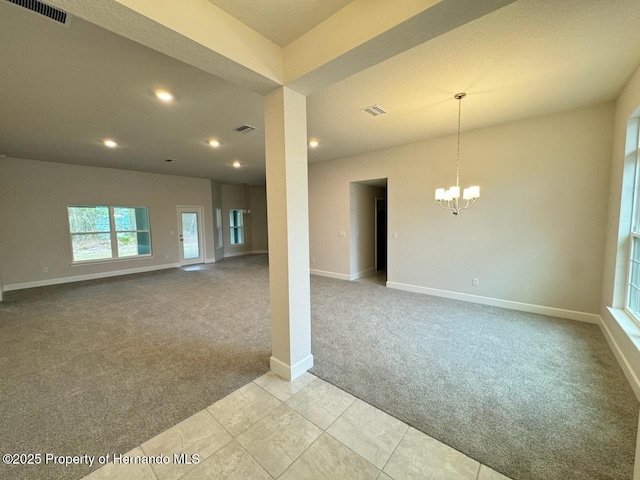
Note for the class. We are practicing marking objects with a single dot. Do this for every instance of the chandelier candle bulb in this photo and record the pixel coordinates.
(439, 193)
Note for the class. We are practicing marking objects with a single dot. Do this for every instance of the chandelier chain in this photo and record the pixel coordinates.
(458, 150)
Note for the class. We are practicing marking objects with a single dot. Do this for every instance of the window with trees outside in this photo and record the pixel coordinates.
(100, 232)
(633, 284)
(236, 226)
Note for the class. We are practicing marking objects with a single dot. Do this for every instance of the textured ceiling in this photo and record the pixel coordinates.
(64, 89)
(281, 21)
(529, 58)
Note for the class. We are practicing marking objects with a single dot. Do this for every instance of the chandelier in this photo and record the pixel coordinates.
(449, 199)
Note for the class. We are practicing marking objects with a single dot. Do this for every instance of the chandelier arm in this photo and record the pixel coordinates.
(444, 208)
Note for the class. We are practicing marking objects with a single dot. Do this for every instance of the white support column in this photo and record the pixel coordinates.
(288, 218)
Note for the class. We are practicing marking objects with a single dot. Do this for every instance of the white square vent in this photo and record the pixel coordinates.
(374, 110)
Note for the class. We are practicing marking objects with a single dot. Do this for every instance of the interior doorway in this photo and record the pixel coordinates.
(368, 231)
(190, 236)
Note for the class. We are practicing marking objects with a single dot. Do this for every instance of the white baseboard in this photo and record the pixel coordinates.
(236, 254)
(291, 372)
(365, 273)
(90, 276)
(210, 260)
(623, 361)
(250, 252)
(322, 273)
(496, 302)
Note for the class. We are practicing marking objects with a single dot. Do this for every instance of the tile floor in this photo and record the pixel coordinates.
(306, 429)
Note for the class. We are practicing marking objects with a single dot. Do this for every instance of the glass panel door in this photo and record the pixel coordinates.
(190, 245)
(191, 242)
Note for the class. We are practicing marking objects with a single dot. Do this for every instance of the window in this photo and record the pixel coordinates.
(235, 224)
(103, 233)
(633, 285)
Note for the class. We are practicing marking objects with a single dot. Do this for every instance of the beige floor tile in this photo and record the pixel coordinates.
(243, 408)
(321, 402)
(488, 474)
(284, 389)
(113, 471)
(279, 438)
(368, 432)
(421, 457)
(384, 476)
(231, 462)
(328, 459)
(200, 434)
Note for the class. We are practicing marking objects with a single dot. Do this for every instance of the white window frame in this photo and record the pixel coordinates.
(113, 235)
(635, 231)
(236, 227)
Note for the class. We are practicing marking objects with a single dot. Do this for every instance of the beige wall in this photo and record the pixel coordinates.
(536, 235)
(258, 206)
(216, 199)
(35, 233)
(233, 197)
(255, 223)
(623, 333)
(620, 196)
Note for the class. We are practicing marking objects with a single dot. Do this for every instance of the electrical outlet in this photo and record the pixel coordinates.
(166, 257)
(395, 234)
(313, 260)
(474, 282)
(45, 270)
(342, 233)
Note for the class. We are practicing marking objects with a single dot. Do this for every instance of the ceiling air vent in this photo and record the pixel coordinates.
(48, 11)
(245, 128)
(374, 110)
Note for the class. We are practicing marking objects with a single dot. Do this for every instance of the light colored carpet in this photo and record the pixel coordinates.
(102, 366)
(533, 397)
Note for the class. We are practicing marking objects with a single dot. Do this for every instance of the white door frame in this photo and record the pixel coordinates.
(199, 210)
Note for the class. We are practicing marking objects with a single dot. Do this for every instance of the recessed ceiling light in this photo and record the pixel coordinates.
(164, 95)
(313, 143)
(110, 143)
(236, 164)
(214, 143)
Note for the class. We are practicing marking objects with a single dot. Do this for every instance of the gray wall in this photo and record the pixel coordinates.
(536, 235)
(34, 196)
